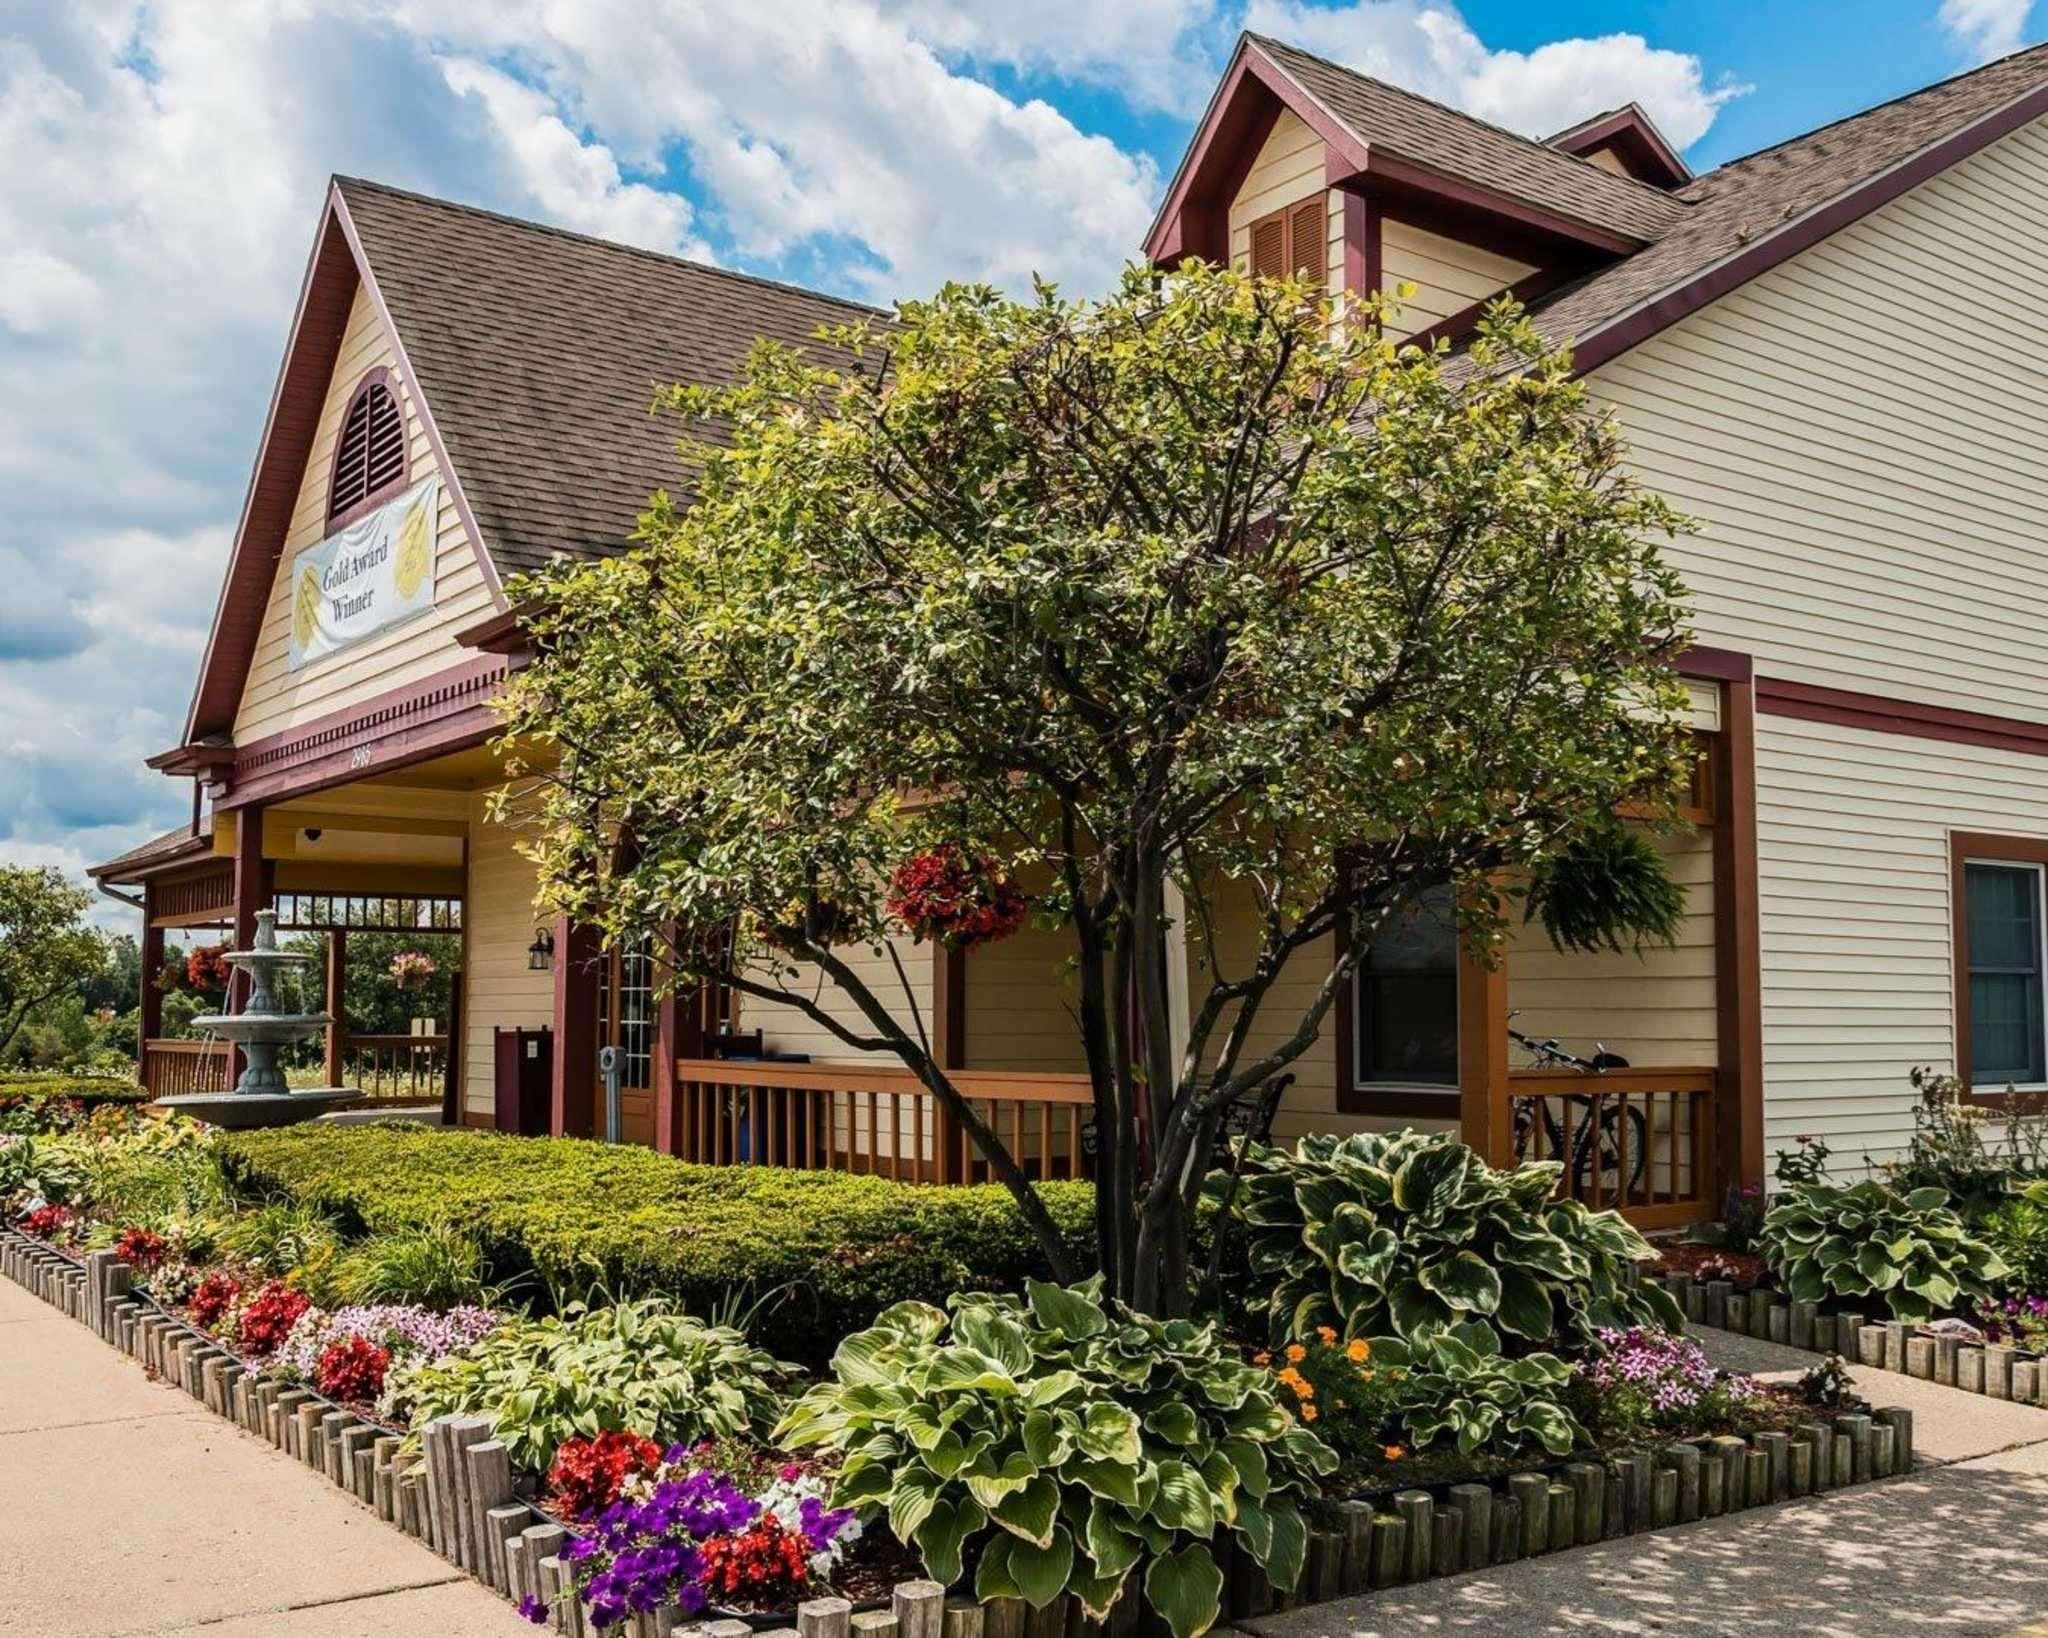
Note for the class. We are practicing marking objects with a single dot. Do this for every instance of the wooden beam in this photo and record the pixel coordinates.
(1485, 1121)
(1738, 957)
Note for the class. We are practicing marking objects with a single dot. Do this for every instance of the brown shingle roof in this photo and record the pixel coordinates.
(1736, 206)
(539, 352)
(1470, 150)
(158, 850)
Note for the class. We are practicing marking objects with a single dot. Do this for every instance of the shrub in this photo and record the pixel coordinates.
(1403, 1233)
(1071, 1443)
(1867, 1241)
(826, 1251)
(640, 1365)
(91, 1089)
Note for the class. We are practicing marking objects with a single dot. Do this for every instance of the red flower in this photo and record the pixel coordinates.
(140, 1248)
(588, 1473)
(48, 1222)
(956, 900)
(217, 1293)
(760, 1564)
(352, 1369)
(206, 968)
(269, 1317)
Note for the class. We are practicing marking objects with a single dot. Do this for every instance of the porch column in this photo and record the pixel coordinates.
(150, 1003)
(951, 1163)
(1484, 1120)
(252, 893)
(574, 1108)
(1738, 958)
(337, 1001)
(678, 1033)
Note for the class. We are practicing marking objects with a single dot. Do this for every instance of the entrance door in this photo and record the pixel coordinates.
(625, 1019)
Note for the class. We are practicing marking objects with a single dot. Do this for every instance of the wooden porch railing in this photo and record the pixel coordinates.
(1638, 1140)
(874, 1118)
(398, 1068)
(177, 1068)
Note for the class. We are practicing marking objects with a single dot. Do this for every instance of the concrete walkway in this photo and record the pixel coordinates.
(1957, 1547)
(127, 1509)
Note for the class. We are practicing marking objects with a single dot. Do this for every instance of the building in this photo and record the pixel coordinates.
(1818, 351)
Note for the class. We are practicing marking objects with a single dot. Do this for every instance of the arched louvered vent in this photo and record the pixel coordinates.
(369, 456)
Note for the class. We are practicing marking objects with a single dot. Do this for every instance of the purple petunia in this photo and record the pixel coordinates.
(534, 1610)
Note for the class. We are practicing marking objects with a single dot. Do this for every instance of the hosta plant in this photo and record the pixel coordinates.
(1868, 1241)
(1062, 1445)
(642, 1366)
(1460, 1387)
(1406, 1233)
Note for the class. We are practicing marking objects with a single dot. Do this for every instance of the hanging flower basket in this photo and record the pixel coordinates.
(956, 899)
(412, 970)
(206, 968)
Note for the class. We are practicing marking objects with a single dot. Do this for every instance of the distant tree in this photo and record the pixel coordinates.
(1204, 586)
(46, 949)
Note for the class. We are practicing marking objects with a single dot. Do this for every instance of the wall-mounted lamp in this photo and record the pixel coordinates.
(540, 954)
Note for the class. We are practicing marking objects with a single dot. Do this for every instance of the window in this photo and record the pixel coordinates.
(2003, 960)
(1403, 1013)
(1293, 241)
(369, 454)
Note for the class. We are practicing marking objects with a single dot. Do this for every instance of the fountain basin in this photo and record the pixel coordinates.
(239, 1111)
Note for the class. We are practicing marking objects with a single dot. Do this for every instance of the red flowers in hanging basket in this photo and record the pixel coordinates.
(352, 1370)
(206, 968)
(955, 898)
(589, 1473)
(269, 1317)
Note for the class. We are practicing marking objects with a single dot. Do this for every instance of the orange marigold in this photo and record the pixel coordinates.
(1395, 1452)
(1308, 1413)
(1328, 1336)
(1359, 1351)
(1262, 1358)
(1296, 1353)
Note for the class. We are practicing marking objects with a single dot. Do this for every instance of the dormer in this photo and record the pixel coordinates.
(1627, 142)
(1408, 192)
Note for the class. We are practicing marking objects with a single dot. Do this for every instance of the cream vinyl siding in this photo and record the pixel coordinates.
(1862, 433)
(275, 697)
(1289, 168)
(1023, 1004)
(786, 1029)
(1608, 160)
(1655, 1009)
(499, 989)
(1448, 275)
(1857, 921)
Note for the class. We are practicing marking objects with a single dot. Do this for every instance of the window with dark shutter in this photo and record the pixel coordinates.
(369, 455)
(1292, 242)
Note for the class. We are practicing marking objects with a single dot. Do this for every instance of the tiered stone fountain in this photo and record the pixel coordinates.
(260, 1097)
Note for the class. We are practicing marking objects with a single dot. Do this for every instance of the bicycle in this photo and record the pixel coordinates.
(1609, 1147)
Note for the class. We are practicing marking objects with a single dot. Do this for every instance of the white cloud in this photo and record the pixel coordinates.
(1986, 29)
(1431, 49)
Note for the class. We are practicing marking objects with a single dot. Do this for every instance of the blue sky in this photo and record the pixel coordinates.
(165, 162)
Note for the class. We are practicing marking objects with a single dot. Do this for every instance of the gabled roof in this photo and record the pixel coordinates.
(533, 355)
(1632, 136)
(540, 352)
(1464, 149)
(1754, 212)
(178, 846)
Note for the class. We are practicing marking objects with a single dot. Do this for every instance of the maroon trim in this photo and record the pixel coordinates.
(1714, 664)
(378, 375)
(1632, 328)
(1363, 259)
(446, 711)
(1880, 714)
(421, 407)
(1456, 326)
(1397, 177)
(1636, 142)
(289, 427)
(500, 633)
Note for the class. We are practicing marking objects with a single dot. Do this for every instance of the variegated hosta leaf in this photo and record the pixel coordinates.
(1186, 1589)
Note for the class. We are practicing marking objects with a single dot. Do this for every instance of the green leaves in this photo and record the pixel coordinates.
(1868, 1239)
(1103, 1444)
(1408, 1233)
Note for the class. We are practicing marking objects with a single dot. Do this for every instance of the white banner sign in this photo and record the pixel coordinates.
(376, 572)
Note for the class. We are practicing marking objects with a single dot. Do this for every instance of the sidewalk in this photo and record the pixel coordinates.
(1958, 1547)
(130, 1510)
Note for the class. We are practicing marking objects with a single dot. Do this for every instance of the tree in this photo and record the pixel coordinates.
(46, 949)
(1190, 586)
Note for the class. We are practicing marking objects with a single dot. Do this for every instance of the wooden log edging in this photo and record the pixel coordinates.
(1995, 1370)
(455, 1494)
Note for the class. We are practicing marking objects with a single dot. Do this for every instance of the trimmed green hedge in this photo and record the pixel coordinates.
(86, 1088)
(571, 1218)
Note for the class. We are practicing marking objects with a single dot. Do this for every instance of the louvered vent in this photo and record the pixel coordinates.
(1307, 236)
(1269, 247)
(369, 458)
